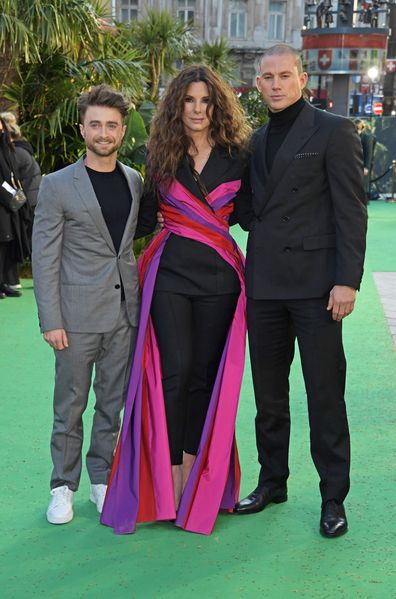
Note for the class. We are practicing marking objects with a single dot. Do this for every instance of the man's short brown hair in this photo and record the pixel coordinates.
(103, 95)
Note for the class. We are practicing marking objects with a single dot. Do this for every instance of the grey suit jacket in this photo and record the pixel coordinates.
(76, 270)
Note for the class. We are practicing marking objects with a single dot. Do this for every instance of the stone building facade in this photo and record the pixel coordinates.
(248, 25)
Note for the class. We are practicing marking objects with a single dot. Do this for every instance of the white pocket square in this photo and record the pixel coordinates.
(306, 155)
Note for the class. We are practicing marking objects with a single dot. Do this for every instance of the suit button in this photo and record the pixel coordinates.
(287, 249)
(285, 218)
(294, 190)
(117, 286)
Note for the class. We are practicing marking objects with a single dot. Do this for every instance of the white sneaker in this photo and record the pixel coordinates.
(60, 509)
(97, 496)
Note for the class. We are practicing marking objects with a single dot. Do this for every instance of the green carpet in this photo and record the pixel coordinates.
(275, 554)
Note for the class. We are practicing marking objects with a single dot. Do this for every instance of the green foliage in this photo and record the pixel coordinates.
(16, 37)
(161, 40)
(146, 110)
(30, 29)
(70, 51)
(133, 150)
(382, 161)
(139, 245)
(45, 97)
(255, 109)
(46, 93)
(217, 56)
(53, 50)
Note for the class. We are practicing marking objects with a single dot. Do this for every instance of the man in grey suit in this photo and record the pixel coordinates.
(86, 287)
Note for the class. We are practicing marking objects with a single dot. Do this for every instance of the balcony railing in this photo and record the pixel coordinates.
(322, 14)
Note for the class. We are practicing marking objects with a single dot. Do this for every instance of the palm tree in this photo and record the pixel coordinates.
(45, 96)
(255, 109)
(162, 40)
(61, 48)
(217, 55)
(33, 27)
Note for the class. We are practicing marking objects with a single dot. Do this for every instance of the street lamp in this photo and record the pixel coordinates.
(372, 74)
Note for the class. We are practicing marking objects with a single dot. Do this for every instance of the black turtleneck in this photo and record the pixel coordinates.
(279, 125)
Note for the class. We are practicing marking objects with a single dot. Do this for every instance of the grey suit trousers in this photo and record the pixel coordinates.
(111, 354)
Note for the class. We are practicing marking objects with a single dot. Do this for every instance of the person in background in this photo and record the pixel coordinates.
(368, 141)
(28, 169)
(14, 226)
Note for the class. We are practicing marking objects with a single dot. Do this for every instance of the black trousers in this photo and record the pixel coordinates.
(8, 266)
(191, 332)
(273, 326)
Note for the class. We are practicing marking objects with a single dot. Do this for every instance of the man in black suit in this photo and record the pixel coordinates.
(304, 264)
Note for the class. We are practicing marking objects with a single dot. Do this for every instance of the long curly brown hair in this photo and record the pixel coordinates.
(169, 142)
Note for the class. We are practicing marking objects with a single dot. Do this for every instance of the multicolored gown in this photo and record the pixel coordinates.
(140, 487)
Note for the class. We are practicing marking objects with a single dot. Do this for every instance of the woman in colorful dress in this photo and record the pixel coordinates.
(177, 458)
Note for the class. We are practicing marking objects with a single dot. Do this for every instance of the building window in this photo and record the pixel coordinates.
(185, 10)
(276, 25)
(128, 10)
(238, 19)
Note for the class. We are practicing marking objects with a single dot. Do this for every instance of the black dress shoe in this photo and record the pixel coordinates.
(9, 291)
(261, 497)
(333, 522)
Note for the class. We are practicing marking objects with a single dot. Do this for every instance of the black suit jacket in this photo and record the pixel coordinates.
(308, 217)
(188, 266)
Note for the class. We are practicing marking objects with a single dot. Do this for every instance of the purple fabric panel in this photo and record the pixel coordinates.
(189, 212)
(223, 200)
(228, 500)
(122, 501)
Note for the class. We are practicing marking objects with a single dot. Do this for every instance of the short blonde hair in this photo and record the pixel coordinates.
(10, 121)
(281, 50)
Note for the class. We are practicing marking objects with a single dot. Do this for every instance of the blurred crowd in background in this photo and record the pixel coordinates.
(19, 177)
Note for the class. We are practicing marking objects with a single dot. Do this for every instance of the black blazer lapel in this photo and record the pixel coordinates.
(259, 171)
(260, 153)
(185, 177)
(301, 131)
(219, 167)
(215, 171)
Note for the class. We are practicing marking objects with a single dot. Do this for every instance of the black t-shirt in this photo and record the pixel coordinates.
(114, 197)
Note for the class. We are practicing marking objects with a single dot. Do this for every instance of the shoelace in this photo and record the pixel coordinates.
(61, 496)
